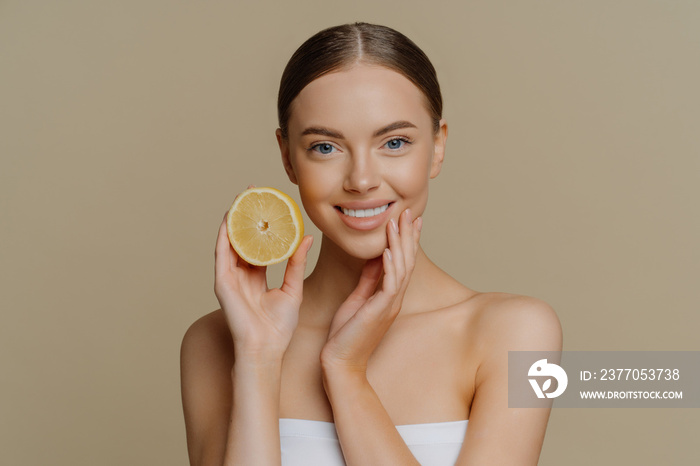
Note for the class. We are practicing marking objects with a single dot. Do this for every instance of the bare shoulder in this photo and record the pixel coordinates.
(206, 359)
(206, 355)
(489, 320)
(516, 322)
(208, 333)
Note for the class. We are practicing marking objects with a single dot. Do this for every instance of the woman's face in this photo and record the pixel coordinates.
(362, 149)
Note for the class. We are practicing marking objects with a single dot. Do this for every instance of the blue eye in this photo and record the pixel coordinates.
(324, 148)
(396, 143)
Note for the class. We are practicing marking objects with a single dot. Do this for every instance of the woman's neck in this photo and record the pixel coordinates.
(336, 275)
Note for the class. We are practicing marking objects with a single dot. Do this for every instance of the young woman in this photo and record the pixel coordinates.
(378, 357)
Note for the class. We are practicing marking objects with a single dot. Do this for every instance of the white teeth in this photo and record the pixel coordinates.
(365, 212)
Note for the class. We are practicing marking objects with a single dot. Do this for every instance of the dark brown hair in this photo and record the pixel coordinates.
(340, 47)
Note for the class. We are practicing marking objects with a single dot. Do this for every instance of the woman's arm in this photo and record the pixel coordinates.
(231, 368)
(206, 359)
(231, 410)
(497, 434)
(366, 433)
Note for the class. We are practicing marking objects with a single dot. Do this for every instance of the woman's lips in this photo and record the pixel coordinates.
(358, 218)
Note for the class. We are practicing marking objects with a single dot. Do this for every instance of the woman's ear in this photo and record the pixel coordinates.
(439, 152)
(284, 151)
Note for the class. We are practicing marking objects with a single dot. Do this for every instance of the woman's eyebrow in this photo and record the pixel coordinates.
(331, 133)
(321, 131)
(393, 126)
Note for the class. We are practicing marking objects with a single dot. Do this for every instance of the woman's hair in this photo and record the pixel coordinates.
(340, 47)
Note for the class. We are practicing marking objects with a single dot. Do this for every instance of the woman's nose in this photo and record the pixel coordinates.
(362, 174)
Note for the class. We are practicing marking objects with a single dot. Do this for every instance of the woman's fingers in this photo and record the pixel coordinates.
(410, 236)
(365, 317)
(369, 278)
(225, 258)
(408, 241)
(396, 256)
(294, 273)
(390, 282)
(403, 246)
(399, 258)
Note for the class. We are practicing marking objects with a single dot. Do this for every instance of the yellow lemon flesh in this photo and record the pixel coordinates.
(264, 226)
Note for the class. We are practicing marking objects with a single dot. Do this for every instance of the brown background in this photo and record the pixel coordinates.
(127, 127)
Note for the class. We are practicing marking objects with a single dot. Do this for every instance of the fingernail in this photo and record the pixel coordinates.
(388, 253)
(419, 223)
(409, 215)
(394, 226)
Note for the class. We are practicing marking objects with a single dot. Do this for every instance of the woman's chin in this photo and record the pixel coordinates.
(369, 255)
(361, 248)
(366, 251)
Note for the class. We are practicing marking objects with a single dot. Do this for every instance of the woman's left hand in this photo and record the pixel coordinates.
(366, 315)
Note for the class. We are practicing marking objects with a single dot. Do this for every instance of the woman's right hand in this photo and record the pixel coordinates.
(261, 320)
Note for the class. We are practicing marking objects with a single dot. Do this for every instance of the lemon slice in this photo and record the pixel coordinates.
(264, 226)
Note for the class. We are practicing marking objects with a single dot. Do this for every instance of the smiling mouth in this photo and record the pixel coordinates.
(363, 213)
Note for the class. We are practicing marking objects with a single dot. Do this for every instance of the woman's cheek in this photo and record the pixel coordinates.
(315, 193)
(411, 181)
